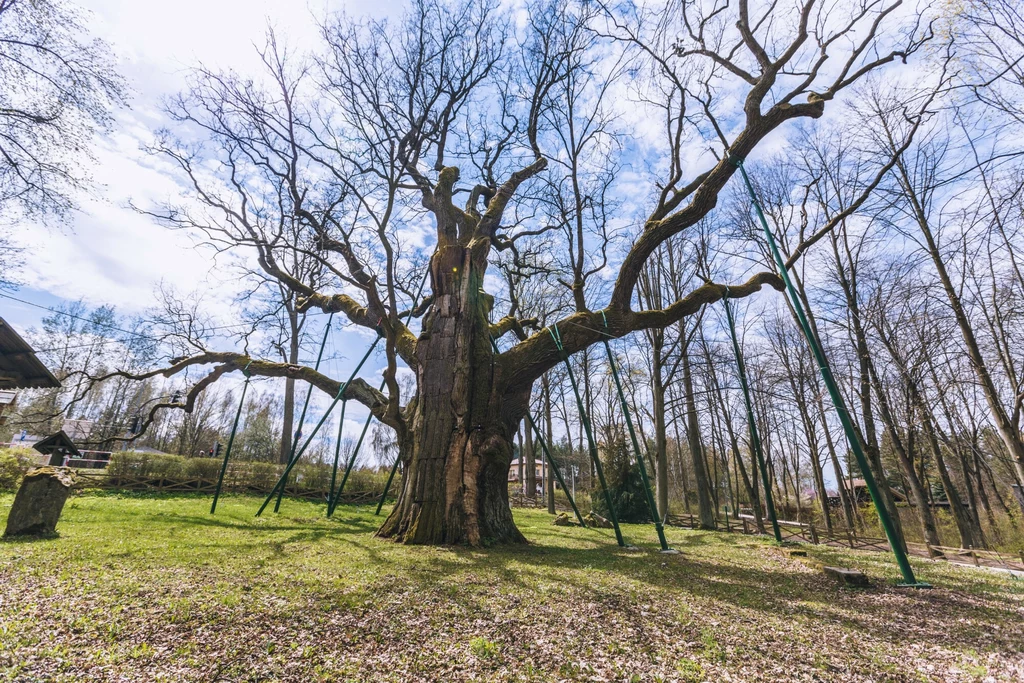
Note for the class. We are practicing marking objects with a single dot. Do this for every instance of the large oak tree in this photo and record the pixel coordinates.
(434, 136)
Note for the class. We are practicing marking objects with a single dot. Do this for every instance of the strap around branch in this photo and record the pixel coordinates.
(557, 337)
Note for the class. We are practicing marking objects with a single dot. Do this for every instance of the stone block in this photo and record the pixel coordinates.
(848, 577)
(596, 521)
(562, 519)
(39, 501)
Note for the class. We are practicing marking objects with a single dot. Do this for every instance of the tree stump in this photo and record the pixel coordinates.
(39, 501)
(562, 519)
(596, 521)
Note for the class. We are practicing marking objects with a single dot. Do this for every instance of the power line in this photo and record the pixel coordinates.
(76, 317)
(100, 342)
(105, 325)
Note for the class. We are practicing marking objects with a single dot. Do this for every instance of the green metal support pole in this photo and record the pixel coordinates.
(305, 404)
(337, 456)
(755, 439)
(837, 399)
(547, 454)
(591, 443)
(555, 469)
(636, 444)
(231, 440)
(348, 470)
(284, 477)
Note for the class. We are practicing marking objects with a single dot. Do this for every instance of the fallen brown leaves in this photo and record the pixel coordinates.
(141, 589)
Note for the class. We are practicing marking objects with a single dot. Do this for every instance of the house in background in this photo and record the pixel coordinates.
(861, 495)
(539, 467)
(541, 470)
(78, 430)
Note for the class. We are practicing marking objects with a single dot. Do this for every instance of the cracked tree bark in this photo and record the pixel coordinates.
(458, 447)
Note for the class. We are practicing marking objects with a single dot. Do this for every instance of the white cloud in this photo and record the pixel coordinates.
(112, 254)
(170, 37)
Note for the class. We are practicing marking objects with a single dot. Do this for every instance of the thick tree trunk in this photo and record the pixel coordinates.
(458, 440)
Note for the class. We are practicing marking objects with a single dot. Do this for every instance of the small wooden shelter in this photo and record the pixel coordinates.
(57, 446)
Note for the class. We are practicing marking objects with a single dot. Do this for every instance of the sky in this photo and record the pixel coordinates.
(110, 253)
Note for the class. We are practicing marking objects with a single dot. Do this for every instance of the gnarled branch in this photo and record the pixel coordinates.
(527, 361)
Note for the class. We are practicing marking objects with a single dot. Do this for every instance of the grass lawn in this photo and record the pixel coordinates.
(144, 588)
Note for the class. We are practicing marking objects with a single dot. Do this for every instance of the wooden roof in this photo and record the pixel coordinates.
(19, 366)
(59, 442)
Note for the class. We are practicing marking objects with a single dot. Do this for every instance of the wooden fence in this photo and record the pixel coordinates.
(789, 530)
(99, 479)
(807, 533)
(518, 499)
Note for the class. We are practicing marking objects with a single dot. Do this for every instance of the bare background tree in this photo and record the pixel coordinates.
(58, 87)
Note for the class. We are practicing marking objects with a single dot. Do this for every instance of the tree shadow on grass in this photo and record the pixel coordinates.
(586, 564)
(880, 612)
(280, 522)
(23, 539)
(281, 539)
